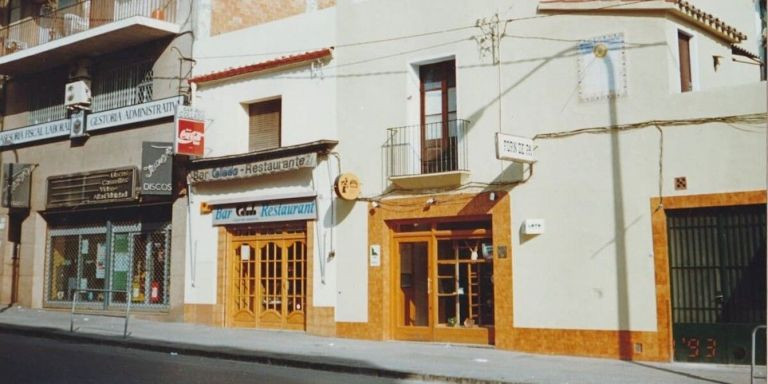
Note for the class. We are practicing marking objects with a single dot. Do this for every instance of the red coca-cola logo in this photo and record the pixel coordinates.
(188, 136)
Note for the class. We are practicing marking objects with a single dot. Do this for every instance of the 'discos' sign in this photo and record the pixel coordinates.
(190, 131)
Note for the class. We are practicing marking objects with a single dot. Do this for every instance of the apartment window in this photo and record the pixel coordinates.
(123, 85)
(684, 49)
(14, 11)
(264, 125)
(46, 98)
(438, 116)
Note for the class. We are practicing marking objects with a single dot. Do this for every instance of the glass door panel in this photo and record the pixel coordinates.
(414, 284)
(244, 288)
(464, 283)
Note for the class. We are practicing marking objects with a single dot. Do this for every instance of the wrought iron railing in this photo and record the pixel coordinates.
(426, 148)
(85, 15)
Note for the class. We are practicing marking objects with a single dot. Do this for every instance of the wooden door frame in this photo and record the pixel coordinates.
(444, 86)
(434, 333)
(255, 240)
(422, 333)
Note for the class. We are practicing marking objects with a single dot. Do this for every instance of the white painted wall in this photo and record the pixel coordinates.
(308, 114)
(202, 259)
(593, 268)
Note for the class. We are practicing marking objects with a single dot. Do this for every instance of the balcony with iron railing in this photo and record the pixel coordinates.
(83, 29)
(427, 156)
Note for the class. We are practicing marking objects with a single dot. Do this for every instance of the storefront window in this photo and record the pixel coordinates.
(107, 264)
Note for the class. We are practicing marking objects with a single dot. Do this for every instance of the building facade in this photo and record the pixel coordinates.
(588, 243)
(564, 177)
(93, 212)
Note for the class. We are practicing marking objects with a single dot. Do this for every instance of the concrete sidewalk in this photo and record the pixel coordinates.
(399, 360)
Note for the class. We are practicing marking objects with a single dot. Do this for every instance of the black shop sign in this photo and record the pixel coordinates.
(100, 187)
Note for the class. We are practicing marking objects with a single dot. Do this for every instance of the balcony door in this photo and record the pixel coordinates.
(438, 117)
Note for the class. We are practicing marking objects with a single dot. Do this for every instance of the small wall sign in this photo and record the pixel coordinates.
(514, 148)
(375, 255)
(347, 186)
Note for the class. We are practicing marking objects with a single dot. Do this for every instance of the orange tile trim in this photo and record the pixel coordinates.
(380, 300)
(625, 345)
(661, 252)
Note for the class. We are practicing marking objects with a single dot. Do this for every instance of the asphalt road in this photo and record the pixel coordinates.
(41, 361)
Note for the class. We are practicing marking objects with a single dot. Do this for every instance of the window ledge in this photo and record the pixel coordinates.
(431, 180)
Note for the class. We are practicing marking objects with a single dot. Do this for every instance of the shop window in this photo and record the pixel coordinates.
(464, 283)
(264, 125)
(108, 264)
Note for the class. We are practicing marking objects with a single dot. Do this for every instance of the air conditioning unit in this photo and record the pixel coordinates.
(77, 125)
(77, 93)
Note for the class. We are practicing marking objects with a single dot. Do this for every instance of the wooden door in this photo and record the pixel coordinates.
(268, 281)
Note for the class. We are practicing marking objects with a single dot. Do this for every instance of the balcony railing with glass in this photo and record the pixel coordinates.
(426, 149)
(82, 16)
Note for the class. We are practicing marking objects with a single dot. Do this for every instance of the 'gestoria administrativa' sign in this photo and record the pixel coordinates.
(256, 168)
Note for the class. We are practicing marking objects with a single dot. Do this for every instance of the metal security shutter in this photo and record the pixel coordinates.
(717, 266)
(264, 125)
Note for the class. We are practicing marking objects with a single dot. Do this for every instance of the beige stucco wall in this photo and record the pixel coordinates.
(97, 153)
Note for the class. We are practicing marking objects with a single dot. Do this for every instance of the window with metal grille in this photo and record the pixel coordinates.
(718, 284)
(108, 262)
(264, 125)
(46, 97)
(121, 86)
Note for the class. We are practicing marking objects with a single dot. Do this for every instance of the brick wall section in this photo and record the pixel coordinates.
(232, 15)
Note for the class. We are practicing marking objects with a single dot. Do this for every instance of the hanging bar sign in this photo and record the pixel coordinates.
(190, 131)
(17, 180)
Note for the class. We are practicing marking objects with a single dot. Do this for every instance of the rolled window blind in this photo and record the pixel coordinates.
(264, 125)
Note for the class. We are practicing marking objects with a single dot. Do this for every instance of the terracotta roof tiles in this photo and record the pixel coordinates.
(263, 66)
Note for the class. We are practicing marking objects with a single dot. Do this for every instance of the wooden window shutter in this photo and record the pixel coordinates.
(684, 46)
(264, 125)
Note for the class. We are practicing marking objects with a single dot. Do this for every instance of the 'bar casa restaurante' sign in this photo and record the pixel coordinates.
(257, 168)
(264, 212)
(107, 186)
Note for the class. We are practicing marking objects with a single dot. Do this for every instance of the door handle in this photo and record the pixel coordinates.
(719, 298)
(429, 285)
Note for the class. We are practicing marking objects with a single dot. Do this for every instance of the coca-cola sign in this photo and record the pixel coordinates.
(190, 131)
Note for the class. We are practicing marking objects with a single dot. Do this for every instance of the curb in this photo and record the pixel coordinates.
(261, 357)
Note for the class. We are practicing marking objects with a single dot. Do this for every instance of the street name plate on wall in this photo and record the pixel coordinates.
(257, 168)
(107, 186)
(265, 211)
(18, 179)
(514, 148)
(156, 168)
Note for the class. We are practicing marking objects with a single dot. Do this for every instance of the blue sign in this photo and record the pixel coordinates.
(264, 212)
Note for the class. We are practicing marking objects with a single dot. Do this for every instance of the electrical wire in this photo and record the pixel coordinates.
(410, 36)
(756, 118)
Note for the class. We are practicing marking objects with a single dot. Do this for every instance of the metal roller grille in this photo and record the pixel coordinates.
(125, 257)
